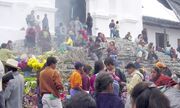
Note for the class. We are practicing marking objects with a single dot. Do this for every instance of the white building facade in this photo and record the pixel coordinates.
(161, 32)
(127, 12)
(14, 12)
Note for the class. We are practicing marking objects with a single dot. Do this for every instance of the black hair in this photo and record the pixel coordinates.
(3, 45)
(158, 70)
(102, 81)
(78, 65)
(50, 61)
(9, 68)
(98, 66)
(130, 65)
(81, 100)
(99, 33)
(109, 61)
(9, 41)
(87, 68)
(139, 35)
(145, 96)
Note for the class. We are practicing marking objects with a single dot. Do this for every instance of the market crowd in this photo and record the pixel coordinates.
(104, 85)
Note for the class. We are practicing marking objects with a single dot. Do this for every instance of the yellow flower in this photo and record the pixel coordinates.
(36, 63)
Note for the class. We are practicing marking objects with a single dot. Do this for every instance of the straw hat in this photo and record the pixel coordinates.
(12, 63)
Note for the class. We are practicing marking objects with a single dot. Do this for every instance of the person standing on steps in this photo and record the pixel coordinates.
(105, 98)
(45, 40)
(45, 22)
(85, 77)
(76, 79)
(89, 23)
(144, 35)
(98, 68)
(112, 28)
(50, 85)
(135, 77)
(77, 27)
(38, 24)
(30, 19)
(117, 75)
(116, 34)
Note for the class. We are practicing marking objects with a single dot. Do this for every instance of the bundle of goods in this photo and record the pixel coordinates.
(30, 93)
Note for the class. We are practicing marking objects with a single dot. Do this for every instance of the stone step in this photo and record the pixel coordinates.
(67, 70)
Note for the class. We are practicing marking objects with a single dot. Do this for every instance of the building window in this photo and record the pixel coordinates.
(161, 40)
(178, 42)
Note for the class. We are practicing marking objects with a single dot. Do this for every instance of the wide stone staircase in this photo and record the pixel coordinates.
(127, 53)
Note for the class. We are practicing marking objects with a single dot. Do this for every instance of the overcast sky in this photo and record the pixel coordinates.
(155, 9)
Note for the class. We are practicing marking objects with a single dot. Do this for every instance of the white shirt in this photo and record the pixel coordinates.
(13, 93)
(178, 55)
(174, 97)
(1, 74)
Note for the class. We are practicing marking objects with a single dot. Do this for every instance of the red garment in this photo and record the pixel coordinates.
(164, 81)
(30, 32)
(85, 82)
(92, 83)
(84, 35)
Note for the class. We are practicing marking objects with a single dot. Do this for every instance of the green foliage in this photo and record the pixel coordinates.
(30, 85)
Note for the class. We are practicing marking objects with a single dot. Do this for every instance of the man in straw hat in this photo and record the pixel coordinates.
(13, 93)
(173, 93)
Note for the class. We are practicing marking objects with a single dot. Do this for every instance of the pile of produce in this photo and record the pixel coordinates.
(33, 64)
